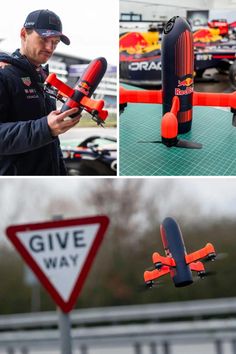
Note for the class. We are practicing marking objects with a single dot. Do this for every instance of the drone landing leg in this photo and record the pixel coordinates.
(233, 110)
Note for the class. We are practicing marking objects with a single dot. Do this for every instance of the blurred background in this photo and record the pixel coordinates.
(205, 210)
(214, 32)
(87, 149)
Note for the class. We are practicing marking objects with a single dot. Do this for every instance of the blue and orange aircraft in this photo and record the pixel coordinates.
(177, 262)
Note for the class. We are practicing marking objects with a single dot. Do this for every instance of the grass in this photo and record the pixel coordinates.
(87, 122)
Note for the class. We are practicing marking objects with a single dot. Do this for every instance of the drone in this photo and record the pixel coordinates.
(177, 262)
(79, 96)
(177, 95)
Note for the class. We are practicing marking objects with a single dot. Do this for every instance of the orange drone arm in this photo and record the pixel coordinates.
(167, 261)
(93, 105)
(155, 274)
(54, 81)
(202, 253)
(197, 266)
(88, 103)
(140, 96)
(214, 99)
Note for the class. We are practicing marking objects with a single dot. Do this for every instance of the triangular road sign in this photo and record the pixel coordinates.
(60, 253)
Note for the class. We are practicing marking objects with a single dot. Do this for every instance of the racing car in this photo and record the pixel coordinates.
(143, 67)
(92, 156)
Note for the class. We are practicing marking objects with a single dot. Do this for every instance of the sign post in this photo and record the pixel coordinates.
(65, 333)
(60, 253)
(64, 321)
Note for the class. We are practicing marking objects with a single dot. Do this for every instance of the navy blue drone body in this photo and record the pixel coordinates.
(177, 57)
(174, 247)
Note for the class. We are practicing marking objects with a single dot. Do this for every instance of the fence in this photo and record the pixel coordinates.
(157, 327)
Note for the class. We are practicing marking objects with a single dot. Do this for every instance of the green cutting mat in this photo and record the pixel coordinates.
(211, 127)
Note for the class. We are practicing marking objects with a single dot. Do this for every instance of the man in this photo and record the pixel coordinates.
(29, 121)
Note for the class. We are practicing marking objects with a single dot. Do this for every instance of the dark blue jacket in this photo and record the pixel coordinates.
(26, 144)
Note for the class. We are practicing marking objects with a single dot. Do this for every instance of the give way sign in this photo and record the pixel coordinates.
(60, 253)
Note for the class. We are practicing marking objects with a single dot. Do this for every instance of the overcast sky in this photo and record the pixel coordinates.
(26, 200)
(91, 25)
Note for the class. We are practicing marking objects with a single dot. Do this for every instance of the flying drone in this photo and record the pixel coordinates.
(176, 261)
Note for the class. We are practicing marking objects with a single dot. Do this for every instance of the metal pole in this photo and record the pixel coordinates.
(234, 346)
(166, 348)
(153, 348)
(65, 334)
(64, 321)
(219, 347)
(137, 348)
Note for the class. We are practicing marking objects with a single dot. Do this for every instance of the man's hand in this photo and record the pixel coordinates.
(58, 124)
(3, 64)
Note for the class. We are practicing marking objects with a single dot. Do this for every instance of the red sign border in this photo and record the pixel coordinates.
(66, 306)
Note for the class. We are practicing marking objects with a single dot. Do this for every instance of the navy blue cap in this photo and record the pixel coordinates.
(46, 23)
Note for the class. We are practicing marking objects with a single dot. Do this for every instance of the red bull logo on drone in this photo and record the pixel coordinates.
(185, 87)
(83, 87)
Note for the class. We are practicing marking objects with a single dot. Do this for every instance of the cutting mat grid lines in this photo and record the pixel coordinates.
(212, 127)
